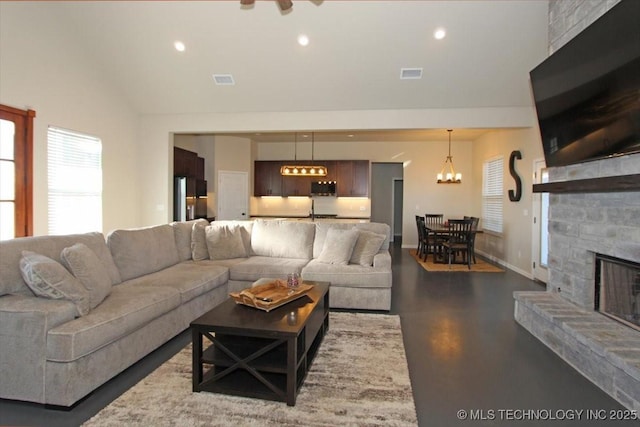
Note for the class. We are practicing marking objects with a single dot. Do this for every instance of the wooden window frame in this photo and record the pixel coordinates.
(23, 157)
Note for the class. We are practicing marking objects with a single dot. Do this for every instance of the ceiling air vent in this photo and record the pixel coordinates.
(410, 73)
(224, 79)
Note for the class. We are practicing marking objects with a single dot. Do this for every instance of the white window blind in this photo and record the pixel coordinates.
(492, 173)
(75, 182)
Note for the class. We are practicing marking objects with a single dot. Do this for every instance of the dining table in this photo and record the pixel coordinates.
(443, 231)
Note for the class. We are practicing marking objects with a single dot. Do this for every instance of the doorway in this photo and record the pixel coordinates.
(397, 201)
(233, 195)
(387, 193)
(16, 170)
(540, 230)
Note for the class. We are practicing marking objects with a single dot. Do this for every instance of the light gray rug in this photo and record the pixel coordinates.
(358, 378)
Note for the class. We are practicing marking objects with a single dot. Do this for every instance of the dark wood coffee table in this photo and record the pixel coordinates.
(259, 354)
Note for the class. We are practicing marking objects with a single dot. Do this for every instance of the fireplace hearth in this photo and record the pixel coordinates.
(617, 289)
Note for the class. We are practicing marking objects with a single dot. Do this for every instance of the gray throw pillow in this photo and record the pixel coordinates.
(49, 279)
(367, 246)
(89, 270)
(225, 242)
(338, 246)
(199, 249)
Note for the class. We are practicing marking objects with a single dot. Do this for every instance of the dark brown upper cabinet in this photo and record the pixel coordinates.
(267, 180)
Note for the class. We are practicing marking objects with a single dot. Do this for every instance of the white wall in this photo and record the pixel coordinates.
(45, 68)
(513, 247)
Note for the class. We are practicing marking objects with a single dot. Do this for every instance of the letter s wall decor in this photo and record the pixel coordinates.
(515, 196)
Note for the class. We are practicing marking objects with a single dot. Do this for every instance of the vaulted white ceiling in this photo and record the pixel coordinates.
(353, 60)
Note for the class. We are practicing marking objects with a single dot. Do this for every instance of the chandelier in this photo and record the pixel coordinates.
(303, 170)
(449, 177)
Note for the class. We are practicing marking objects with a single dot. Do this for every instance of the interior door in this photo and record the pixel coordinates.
(16, 175)
(540, 231)
(233, 195)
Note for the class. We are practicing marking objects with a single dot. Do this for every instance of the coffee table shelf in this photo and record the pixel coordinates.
(259, 354)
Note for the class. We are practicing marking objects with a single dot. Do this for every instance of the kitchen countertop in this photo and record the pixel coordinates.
(308, 218)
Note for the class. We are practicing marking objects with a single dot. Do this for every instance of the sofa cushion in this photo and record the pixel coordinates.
(49, 279)
(143, 250)
(366, 247)
(190, 278)
(11, 280)
(246, 227)
(351, 275)
(257, 267)
(323, 227)
(199, 250)
(125, 310)
(225, 242)
(182, 233)
(282, 239)
(338, 246)
(87, 268)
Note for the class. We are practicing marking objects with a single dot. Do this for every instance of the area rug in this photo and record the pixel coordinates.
(481, 266)
(359, 377)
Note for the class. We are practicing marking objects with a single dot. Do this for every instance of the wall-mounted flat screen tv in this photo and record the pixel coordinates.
(587, 93)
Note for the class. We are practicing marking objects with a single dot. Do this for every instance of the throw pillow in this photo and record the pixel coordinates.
(49, 279)
(367, 246)
(338, 246)
(199, 249)
(89, 270)
(225, 242)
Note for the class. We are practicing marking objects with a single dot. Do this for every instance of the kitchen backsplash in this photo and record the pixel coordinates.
(352, 207)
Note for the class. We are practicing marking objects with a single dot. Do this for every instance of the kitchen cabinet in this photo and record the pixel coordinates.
(353, 178)
(185, 163)
(187, 166)
(267, 180)
(297, 185)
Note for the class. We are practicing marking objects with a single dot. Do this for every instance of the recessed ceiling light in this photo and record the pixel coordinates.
(180, 47)
(303, 40)
(350, 135)
(439, 33)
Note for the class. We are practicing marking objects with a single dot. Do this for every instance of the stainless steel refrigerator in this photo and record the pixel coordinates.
(183, 204)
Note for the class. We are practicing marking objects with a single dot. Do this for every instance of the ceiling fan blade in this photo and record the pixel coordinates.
(247, 2)
(285, 4)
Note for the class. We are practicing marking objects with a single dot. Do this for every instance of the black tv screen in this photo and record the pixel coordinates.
(587, 93)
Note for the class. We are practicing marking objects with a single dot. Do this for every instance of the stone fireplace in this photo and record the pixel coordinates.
(598, 219)
(586, 227)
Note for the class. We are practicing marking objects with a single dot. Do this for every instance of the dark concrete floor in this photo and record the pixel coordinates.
(465, 353)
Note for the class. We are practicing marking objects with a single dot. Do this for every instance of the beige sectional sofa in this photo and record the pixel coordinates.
(141, 287)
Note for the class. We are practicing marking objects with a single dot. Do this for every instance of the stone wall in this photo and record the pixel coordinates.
(583, 224)
(568, 17)
(580, 225)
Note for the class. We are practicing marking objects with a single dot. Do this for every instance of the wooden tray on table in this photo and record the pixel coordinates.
(272, 294)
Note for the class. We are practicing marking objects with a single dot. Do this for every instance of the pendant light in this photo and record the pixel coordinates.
(449, 177)
(303, 170)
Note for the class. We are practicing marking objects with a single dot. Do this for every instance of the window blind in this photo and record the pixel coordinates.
(493, 171)
(74, 165)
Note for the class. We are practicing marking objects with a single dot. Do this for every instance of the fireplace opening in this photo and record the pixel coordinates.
(617, 292)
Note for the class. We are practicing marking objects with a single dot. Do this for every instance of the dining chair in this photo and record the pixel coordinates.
(434, 239)
(459, 240)
(474, 227)
(421, 240)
